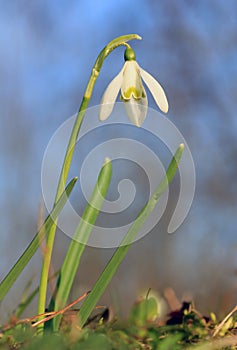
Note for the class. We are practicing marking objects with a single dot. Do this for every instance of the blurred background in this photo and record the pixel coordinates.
(47, 51)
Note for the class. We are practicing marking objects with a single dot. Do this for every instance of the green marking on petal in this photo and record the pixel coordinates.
(132, 92)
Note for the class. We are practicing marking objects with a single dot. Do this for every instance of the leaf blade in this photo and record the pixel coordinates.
(78, 243)
(121, 251)
(21, 263)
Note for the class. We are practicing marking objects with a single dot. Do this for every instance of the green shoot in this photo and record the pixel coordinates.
(121, 251)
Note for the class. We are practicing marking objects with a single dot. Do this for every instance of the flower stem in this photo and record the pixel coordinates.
(68, 159)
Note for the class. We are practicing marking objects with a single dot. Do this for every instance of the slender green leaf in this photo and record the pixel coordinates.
(121, 251)
(27, 298)
(21, 263)
(78, 243)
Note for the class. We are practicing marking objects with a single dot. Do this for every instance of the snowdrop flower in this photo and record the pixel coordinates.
(133, 94)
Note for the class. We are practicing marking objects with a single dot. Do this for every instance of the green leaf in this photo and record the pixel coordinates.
(94, 341)
(121, 251)
(144, 311)
(21, 263)
(78, 243)
(48, 342)
(171, 342)
(27, 298)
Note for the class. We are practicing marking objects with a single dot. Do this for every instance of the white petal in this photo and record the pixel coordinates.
(132, 83)
(109, 96)
(136, 110)
(156, 90)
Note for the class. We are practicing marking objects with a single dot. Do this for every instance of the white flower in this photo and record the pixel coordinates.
(129, 81)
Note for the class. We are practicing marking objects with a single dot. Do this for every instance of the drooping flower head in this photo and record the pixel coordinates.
(133, 94)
